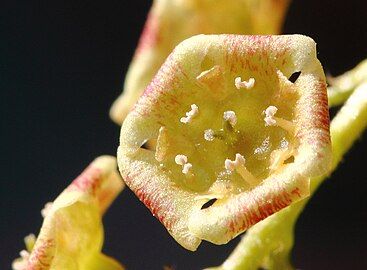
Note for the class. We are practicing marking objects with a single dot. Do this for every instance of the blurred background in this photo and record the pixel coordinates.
(62, 65)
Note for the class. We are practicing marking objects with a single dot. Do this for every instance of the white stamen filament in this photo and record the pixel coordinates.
(238, 165)
(190, 114)
(46, 209)
(277, 158)
(244, 84)
(218, 190)
(271, 120)
(209, 135)
(231, 117)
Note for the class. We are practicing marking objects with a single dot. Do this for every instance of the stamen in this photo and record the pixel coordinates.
(232, 165)
(209, 135)
(271, 120)
(190, 114)
(244, 84)
(269, 115)
(182, 160)
(186, 168)
(46, 209)
(231, 117)
(239, 165)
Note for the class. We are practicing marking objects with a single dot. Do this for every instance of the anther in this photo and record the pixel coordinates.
(182, 160)
(244, 84)
(186, 168)
(269, 116)
(190, 114)
(271, 120)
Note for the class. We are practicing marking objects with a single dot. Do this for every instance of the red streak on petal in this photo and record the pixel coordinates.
(266, 207)
(41, 256)
(89, 181)
(154, 200)
(315, 121)
(297, 192)
(150, 35)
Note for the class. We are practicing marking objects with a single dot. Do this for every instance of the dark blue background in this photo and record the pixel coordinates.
(62, 63)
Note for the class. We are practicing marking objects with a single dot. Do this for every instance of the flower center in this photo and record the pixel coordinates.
(238, 130)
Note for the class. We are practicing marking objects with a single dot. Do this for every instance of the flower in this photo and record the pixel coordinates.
(71, 236)
(219, 198)
(171, 21)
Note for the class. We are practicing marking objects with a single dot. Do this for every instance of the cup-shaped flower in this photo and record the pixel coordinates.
(171, 21)
(71, 236)
(241, 123)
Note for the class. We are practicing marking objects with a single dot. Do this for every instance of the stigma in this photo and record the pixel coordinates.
(209, 135)
(230, 117)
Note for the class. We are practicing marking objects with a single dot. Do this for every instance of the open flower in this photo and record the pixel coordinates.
(71, 236)
(171, 21)
(248, 152)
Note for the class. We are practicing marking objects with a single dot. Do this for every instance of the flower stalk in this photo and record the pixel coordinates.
(343, 85)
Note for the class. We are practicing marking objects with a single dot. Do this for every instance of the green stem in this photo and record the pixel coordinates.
(268, 244)
(342, 86)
